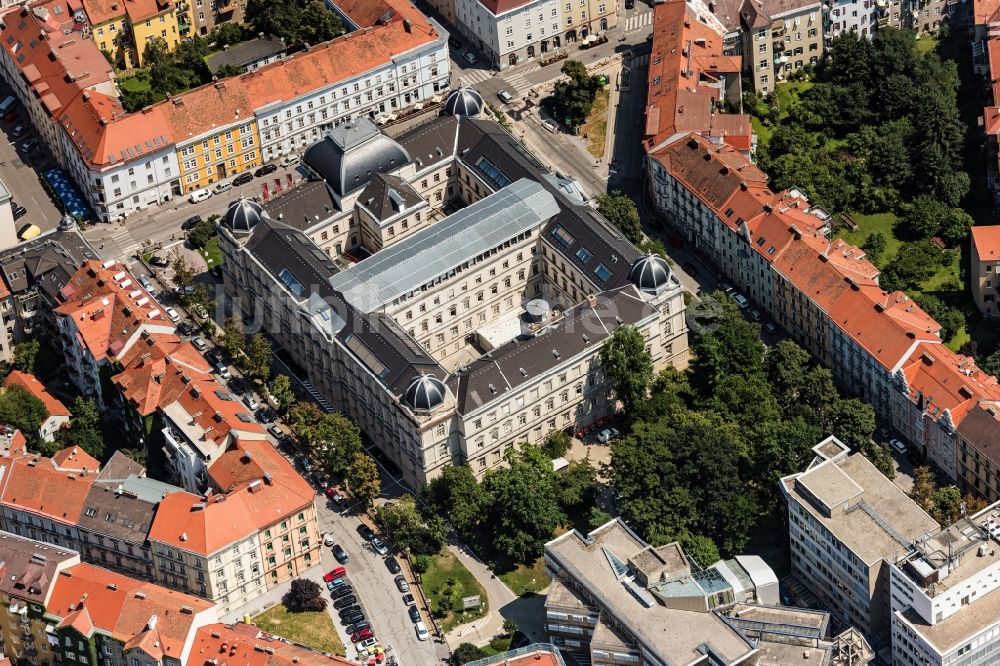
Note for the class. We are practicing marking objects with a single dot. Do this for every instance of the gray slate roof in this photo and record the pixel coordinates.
(48, 262)
(386, 196)
(351, 153)
(246, 53)
(117, 515)
(434, 251)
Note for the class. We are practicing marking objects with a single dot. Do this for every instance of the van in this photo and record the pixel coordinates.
(550, 126)
(289, 160)
(223, 187)
(200, 195)
(8, 102)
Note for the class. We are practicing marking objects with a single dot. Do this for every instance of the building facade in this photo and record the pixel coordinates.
(124, 30)
(984, 258)
(511, 32)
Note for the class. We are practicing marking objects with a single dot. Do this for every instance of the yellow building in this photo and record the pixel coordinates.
(219, 155)
(124, 28)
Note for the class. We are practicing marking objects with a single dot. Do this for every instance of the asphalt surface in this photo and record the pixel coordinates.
(18, 173)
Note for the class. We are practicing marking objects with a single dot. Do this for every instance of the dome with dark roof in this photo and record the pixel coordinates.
(242, 216)
(348, 156)
(650, 273)
(464, 102)
(424, 393)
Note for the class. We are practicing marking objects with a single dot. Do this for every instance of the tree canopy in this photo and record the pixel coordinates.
(363, 478)
(572, 98)
(331, 438)
(627, 364)
(298, 22)
(20, 409)
(620, 210)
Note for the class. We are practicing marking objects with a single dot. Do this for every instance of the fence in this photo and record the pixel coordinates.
(520, 652)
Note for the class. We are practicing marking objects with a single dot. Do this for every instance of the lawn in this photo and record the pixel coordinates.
(314, 630)
(211, 252)
(926, 44)
(137, 83)
(596, 127)
(869, 224)
(524, 580)
(762, 131)
(446, 582)
(788, 92)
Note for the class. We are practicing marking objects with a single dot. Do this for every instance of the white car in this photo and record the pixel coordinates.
(741, 300)
(422, 634)
(200, 195)
(222, 370)
(289, 160)
(200, 344)
(367, 645)
(608, 435)
(251, 401)
(898, 446)
(172, 315)
(328, 540)
(550, 126)
(505, 97)
(224, 186)
(380, 547)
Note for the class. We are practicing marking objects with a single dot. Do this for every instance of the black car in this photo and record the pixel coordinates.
(344, 602)
(340, 554)
(689, 268)
(629, 4)
(392, 565)
(414, 613)
(19, 211)
(264, 170)
(342, 591)
(350, 610)
(365, 532)
(409, 600)
(159, 261)
(358, 626)
(191, 223)
(185, 328)
(353, 618)
(242, 179)
(265, 415)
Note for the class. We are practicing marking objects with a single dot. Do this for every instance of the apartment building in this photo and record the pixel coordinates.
(863, 17)
(246, 644)
(540, 654)
(124, 28)
(447, 347)
(945, 595)
(58, 415)
(205, 15)
(126, 162)
(102, 314)
(511, 32)
(588, 18)
(979, 453)
(614, 599)
(984, 262)
(845, 521)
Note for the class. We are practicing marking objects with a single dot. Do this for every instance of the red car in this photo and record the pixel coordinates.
(339, 572)
(361, 635)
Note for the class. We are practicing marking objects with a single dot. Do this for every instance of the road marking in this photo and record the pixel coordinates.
(637, 21)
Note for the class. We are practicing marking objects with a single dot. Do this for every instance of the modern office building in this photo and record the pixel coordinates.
(465, 333)
(846, 521)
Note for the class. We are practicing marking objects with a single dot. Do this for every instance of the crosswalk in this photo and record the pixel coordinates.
(638, 21)
(516, 84)
(126, 243)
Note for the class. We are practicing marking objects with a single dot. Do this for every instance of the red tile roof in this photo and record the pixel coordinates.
(140, 10)
(685, 80)
(986, 11)
(157, 370)
(941, 381)
(987, 242)
(36, 486)
(31, 384)
(497, 7)
(75, 459)
(246, 645)
(136, 613)
(99, 11)
(200, 525)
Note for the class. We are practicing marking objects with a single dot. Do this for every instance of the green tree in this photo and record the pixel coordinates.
(335, 440)
(556, 444)
(281, 389)
(296, 21)
(925, 216)
(509, 626)
(620, 210)
(455, 493)
(955, 227)
(183, 271)
(913, 263)
(576, 485)
(258, 358)
(201, 234)
(702, 549)
(84, 428)
(23, 411)
(25, 355)
(228, 33)
(874, 245)
(233, 338)
(465, 653)
(951, 319)
(734, 348)
(523, 503)
(947, 505)
(363, 478)
(627, 364)
(923, 488)
(304, 595)
(401, 522)
(572, 98)
(853, 422)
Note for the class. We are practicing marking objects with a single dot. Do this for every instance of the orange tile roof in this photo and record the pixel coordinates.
(986, 239)
(991, 120)
(31, 384)
(246, 645)
(200, 525)
(75, 459)
(136, 613)
(99, 11)
(35, 485)
(207, 108)
(105, 135)
(157, 370)
(140, 10)
(941, 381)
(215, 412)
(366, 13)
(986, 11)
(686, 64)
(108, 309)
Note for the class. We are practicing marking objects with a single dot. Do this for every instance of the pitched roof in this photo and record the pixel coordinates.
(246, 645)
(986, 11)
(117, 513)
(271, 487)
(140, 10)
(99, 11)
(199, 525)
(209, 415)
(940, 382)
(157, 370)
(30, 383)
(134, 612)
(36, 486)
(28, 567)
(986, 240)
(75, 459)
(981, 429)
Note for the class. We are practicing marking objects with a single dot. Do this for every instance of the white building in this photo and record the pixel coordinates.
(511, 32)
(945, 596)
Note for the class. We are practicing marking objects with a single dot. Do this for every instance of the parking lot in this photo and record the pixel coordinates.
(22, 169)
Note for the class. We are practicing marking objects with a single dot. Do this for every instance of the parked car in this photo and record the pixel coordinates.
(265, 415)
(470, 57)
(505, 97)
(402, 584)
(550, 126)
(172, 315)
(274, 431)
(145, 282)
(342, 591)
(392, 565)
(380, 548)
(454, 43)
(755, 314)
(358, 626)
(266, 169)
(608, 435)
(200, 344)
(629, 4)
(222, 370)
(770, 327)
(289, 160)
(336, 583)
(191, 223)
(345, 601)
(414, 613)
(10, 117)
(366, 532)
(224, 186)
(328, 541)
(19, 211)
(157, 260)
(29, 145)
(304, 463)
(251, 400)
(690, 268)
(898, 446)
(741, 300)
(409, 600)
(18, 131)
(366, 644)
(351, 611)
(422, 634)
(200, 195)
(339, 572)
(361, 635)
(242, 179)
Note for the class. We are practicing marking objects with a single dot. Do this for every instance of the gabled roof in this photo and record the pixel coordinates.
(941, 381)
(75, 459)
(246, 645)
(986, 240)
(157, 370)
(36, 486)
(31, 384)
(201, 525)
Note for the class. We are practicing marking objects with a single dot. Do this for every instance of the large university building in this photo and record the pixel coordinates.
(476, 319)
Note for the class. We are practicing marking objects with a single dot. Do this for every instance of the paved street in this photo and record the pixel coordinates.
(21, 178)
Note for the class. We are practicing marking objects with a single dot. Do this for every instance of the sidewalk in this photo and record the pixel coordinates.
(498, 594)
